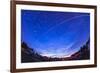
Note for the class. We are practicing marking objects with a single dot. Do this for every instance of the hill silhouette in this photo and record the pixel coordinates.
(30, 55)
(83, 53)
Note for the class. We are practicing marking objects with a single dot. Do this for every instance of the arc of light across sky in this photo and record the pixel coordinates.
(62, 23)
(56, 25)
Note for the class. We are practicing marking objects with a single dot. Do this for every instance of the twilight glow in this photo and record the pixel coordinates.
(55, 34)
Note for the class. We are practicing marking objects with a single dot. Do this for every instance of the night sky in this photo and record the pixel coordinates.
(55, 34)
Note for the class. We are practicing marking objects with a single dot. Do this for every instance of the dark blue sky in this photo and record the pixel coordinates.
(55, 34)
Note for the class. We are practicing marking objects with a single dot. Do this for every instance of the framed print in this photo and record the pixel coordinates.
(52, 36)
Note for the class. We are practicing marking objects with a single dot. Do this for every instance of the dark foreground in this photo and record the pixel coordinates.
(30, 55)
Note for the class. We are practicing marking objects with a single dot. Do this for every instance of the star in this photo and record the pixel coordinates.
(35, 31)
